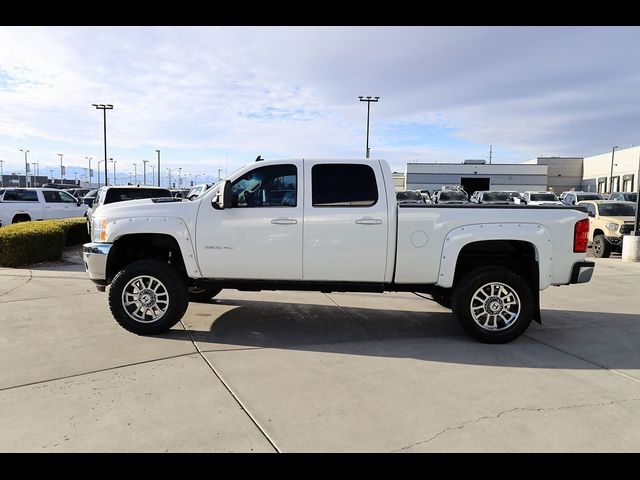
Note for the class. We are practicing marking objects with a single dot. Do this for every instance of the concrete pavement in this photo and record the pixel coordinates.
(299, 371)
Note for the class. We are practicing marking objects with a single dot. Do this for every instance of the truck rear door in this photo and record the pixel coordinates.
(345, 221)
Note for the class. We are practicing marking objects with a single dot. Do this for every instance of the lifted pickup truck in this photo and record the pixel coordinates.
(329, 225)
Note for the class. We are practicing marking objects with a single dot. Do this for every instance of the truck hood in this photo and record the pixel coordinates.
(543, 202)
(618, 219)
(148, 207)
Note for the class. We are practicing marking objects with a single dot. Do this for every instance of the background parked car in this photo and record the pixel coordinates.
(571, 198)
(26, 204)
(540, 198)
(197, 190)
(412, 197)
(454, 197)
(492, 197)
(624, 196)
(609, 221)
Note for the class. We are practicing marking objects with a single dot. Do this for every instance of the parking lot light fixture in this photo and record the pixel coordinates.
(104, 108)
(613, 151)
(368, 100)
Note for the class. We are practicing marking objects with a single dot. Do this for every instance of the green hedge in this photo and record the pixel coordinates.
(26, 243)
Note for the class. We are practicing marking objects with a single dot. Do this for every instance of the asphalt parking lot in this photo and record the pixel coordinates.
(298, 371)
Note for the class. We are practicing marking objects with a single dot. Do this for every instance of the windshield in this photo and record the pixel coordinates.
(496, 196)
(409, 195)
(617, 210)
(447, 196)
(122, 194)
(588, 196)
(630, 197)
(543, 197)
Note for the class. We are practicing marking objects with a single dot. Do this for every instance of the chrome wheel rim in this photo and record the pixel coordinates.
(597, 246)
(495, 306)
(145, 299)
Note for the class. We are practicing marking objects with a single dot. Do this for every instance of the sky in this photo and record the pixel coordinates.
(213, 98)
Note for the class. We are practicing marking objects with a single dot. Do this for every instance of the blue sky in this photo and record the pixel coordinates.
(203, 95)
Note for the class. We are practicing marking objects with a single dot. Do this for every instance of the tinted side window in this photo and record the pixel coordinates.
(66, 198)
(21, 195)
(51, 197)
(591, 209)
(343, 185)
(269, 186)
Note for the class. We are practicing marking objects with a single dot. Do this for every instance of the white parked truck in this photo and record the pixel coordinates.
(329, 225)
(26, 204)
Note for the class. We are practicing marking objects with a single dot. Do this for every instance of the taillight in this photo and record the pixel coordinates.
(581, 236)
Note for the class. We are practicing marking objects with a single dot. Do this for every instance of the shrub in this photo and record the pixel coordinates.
(75, 230)
(31, 242)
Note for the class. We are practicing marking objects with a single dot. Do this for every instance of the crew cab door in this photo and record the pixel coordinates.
(345, 222)
(260, 236)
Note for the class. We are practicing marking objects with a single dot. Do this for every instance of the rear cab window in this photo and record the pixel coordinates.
(343, 185)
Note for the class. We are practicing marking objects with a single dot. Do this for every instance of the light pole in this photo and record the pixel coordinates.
(368, 100)
(90, 172)
(130, 177)
(144, 170)
(135, 173)
(105, 178)
(26, 168)
(34, 180)
(170, 170)
(179, 177)
(158, 151)
(104, 108)
(153, 174)
(61, 168)
(219, 173)
(1, 174)
(114, 170)
(51, 174)
(613, 151)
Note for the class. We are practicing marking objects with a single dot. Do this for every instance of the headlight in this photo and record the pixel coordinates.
(100, 229)
(612, 226)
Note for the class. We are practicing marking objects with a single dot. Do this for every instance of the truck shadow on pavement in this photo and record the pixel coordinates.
(565, 340)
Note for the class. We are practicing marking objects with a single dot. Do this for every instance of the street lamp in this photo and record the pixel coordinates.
(90, 172)
(158, 151)
(26, 168)
(153, 174)
(114, 170)
(144, 170)
(1, 174)
(105, 178)
(104, 108)
(61, 168)
(368, 100)
(135, 173)
(34, 180)
(170, 170)
(613, 151)
(51, 174)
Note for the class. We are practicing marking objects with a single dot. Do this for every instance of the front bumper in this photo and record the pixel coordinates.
(95, 257)
(581, 272)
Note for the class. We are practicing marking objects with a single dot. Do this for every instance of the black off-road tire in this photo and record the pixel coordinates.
(202, 295)
(601, 248)
(463, 300)
(174, 283)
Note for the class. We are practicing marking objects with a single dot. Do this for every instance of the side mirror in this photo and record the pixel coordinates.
(79, 202)
(222, 199)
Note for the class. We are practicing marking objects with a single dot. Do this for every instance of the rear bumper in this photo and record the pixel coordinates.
(95, 257)
(582, 272)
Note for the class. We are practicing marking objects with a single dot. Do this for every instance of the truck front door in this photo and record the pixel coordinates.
(260, 236)
(345, 222)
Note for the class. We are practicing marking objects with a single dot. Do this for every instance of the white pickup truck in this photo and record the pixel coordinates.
(26, 204)
(329, 225)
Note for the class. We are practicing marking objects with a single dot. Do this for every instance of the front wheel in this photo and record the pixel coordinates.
(148, 297)
(601, 248)
(494, 305)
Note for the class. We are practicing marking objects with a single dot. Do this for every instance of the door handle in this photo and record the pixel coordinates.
(284, 221)
(368, 221)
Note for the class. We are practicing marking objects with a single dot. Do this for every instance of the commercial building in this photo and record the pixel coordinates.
(612, 171)
(477, 175)
(19, 181)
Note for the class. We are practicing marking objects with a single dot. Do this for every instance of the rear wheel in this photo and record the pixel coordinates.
(202, 295)
(493, 305)
(601, 248)
(21, 218)
(148, 297)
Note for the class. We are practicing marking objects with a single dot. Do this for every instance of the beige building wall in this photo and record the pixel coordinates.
(597, 171)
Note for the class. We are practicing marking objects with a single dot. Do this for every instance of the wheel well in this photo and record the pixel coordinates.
(597, 232)
(21, 217)
(143, 246)
(516, 255)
